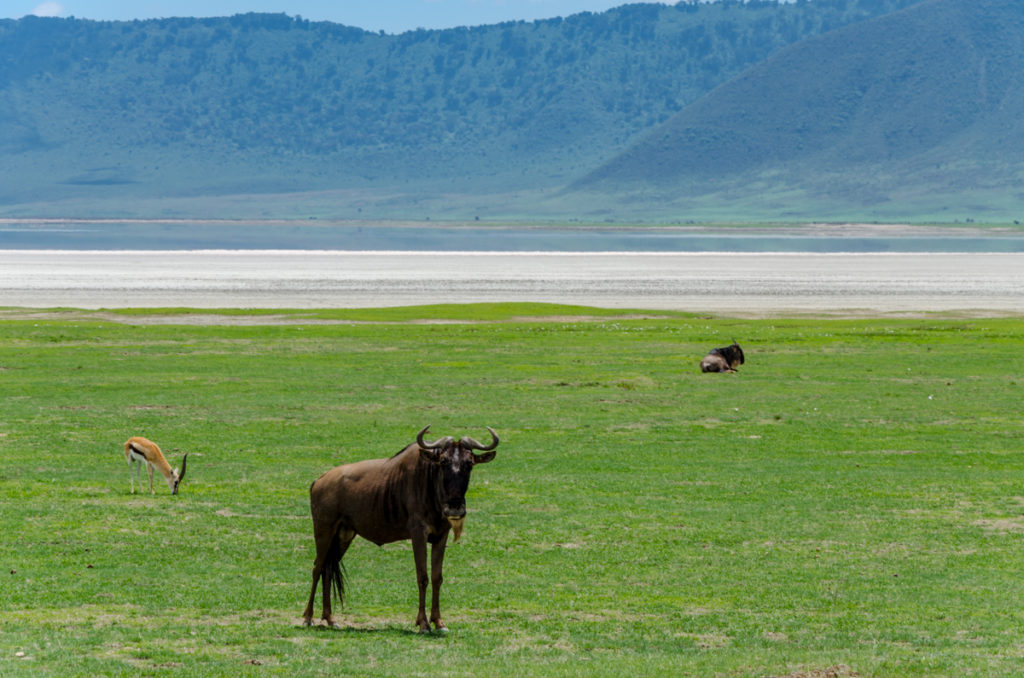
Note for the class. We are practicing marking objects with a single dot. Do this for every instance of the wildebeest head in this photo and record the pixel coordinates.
(734, 353)
(456, 459)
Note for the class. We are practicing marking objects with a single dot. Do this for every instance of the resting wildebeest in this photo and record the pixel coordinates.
(725, 359)
(418, 494)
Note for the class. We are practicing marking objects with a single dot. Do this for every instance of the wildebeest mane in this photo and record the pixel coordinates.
(389, 498)
(730, 353)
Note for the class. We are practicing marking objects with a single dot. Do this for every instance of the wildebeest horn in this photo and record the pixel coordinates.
(466, 440)
(429, 446)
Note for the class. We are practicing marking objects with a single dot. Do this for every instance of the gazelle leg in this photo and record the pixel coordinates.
(149, 468)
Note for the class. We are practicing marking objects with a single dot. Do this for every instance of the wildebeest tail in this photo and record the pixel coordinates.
(334, 570)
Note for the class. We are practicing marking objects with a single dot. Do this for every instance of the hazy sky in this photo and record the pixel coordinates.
(393, 16)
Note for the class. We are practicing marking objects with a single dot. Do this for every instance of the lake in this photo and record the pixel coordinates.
(171, 234)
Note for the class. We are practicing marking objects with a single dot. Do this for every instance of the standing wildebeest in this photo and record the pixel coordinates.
(725, 359)
(418, 494)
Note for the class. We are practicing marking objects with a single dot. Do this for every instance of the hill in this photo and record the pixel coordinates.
(876, 118)
(269, 114)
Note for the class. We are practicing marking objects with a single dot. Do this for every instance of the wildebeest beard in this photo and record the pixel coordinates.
(457, 525)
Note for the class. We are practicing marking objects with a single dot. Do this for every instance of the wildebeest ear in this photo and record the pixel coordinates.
(485, 457)
(433, 456)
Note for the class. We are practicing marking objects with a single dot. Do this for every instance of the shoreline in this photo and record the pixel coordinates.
(740, 285)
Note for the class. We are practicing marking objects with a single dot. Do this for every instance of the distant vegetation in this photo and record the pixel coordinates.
(181, 116)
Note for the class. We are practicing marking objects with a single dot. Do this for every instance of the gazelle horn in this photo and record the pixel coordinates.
(181, 474)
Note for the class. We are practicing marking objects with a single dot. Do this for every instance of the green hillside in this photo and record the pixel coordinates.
(915, 113)
(257, 115)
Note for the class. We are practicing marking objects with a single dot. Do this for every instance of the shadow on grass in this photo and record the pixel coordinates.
(382, 629)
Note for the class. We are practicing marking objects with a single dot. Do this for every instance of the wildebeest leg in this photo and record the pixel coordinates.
(419, 552)
(715, 363)
(436, 578)
(323, 544)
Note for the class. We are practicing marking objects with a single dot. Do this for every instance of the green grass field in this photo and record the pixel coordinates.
(850, 504)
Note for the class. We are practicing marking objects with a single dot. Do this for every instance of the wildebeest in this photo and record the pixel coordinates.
(418, 494)
(725, 359)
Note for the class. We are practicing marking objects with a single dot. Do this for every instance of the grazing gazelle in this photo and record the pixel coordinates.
(138, 450)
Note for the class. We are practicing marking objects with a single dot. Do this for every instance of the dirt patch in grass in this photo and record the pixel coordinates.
(1013, 525)
(838, 671)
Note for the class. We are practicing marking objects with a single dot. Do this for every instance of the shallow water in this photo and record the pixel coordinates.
(313, 235)
(738, 283)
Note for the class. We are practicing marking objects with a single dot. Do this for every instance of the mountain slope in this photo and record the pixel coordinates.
(930, 98)
(261, 104)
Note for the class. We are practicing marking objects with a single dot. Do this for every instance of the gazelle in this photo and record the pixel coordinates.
(138, 450)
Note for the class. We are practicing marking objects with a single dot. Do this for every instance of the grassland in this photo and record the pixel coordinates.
(850, 503)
